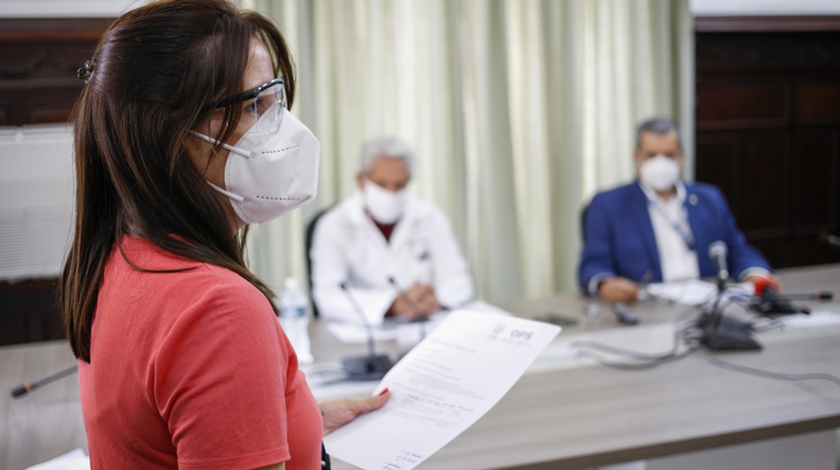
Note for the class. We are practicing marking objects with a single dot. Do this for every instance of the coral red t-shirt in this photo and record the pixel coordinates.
(191, 370)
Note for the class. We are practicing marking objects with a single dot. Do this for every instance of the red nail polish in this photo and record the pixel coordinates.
(383, 392)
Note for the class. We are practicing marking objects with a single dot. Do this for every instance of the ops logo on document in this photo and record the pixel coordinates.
(497, 330)
(518, 337)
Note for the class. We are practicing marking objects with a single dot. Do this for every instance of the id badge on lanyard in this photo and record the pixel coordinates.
(678, 227)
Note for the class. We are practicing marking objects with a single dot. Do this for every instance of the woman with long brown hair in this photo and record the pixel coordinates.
(183, 137)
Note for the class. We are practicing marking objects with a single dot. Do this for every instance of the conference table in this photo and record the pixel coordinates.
(567, 411)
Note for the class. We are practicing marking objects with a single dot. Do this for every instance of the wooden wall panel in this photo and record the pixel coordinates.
(720, 153)
(768, 122)
(766, 24)
(818, 102)
(815, 173)
(764, 189)
(38, 63)
(29, 312)
(742, 104)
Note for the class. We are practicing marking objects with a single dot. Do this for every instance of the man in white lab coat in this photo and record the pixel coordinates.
(396, 256)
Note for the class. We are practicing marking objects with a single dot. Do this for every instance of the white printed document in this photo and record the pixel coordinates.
(440, 388)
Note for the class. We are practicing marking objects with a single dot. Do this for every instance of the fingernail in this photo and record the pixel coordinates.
(383, 392)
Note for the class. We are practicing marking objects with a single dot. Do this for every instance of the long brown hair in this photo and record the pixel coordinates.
(154, 72)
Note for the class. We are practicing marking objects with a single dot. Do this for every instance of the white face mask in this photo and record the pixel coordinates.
(385, 207)
(660, 173)
(270, 174)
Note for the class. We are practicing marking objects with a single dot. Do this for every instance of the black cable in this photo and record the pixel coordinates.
(682, 316)
(774, 324)
(769, 326)
(691, 335)
(768, 374)
(630, 367)
(651, 361)
(678, 335)
(685, 333)
(594, 345)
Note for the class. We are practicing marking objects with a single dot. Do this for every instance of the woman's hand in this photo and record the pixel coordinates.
(340, 411)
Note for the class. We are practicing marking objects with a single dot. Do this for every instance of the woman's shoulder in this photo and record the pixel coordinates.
(197, 281)
(217, 305)
(223, 290)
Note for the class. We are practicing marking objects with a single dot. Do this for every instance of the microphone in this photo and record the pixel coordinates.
(717, 252)
(769, 302)
(372, 366)
(829, 239)
(27, 388)
(720, 333)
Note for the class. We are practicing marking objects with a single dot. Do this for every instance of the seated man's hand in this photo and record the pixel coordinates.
(618, 289)
(340, 411)
(401, 309)
(424, 298)
(422, 303)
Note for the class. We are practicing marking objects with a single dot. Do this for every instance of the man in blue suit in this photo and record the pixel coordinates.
(659, 228)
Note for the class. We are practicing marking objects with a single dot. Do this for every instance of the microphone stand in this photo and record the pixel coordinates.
(372, 366)
(25, 389)
(720, 333)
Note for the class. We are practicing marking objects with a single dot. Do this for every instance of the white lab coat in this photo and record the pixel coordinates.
(348, 247)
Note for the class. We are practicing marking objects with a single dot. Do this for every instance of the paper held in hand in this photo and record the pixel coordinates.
(439, 389)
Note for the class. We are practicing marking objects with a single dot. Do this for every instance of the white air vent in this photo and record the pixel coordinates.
(36, 200)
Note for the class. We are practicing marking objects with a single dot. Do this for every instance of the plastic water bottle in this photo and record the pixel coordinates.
(294, 318)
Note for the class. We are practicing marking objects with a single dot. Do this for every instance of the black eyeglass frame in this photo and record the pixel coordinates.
(247, 95)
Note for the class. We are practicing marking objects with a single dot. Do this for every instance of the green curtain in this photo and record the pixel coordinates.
(519, 111)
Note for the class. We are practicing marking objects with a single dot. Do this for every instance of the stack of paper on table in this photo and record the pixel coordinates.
(354, 332)
(692, 291)
(73, 460)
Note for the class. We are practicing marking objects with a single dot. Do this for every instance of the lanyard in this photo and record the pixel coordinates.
(680, 228)
(325, 458)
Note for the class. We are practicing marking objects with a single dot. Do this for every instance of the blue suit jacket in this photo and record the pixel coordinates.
(619, 239)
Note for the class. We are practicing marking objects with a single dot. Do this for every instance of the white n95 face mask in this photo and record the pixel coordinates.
(659, 172)
(267, 175)
(385, 206)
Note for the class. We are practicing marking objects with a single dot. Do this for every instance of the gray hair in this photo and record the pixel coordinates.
(385, 146)
(660, 126)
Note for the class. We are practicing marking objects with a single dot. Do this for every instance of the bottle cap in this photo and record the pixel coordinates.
(292, 283)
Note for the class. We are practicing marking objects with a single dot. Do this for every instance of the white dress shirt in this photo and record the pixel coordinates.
(673, 234)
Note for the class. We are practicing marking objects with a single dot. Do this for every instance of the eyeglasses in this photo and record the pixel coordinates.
(262, 106)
